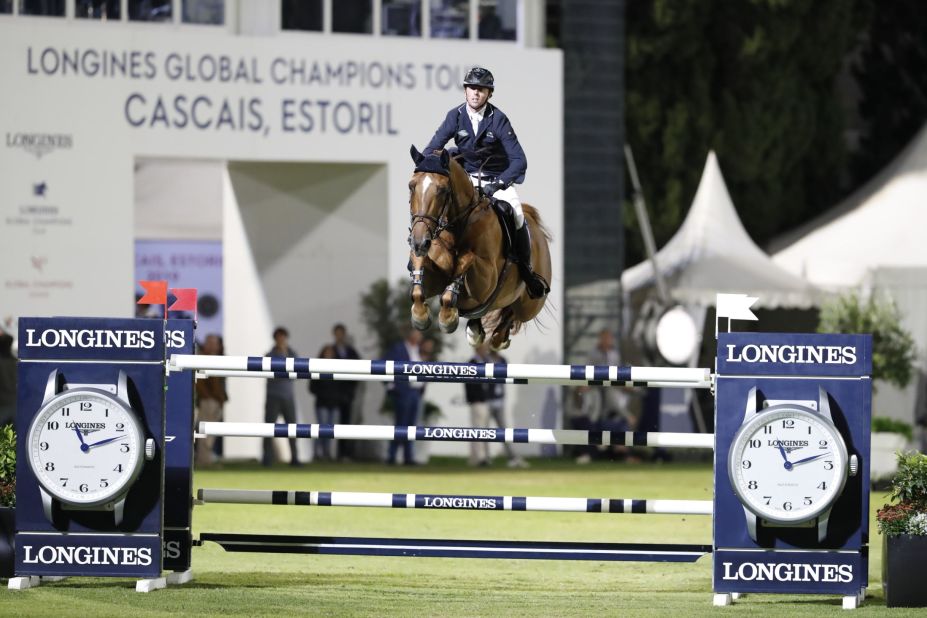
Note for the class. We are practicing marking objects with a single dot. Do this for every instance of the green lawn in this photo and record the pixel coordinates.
(268, 584)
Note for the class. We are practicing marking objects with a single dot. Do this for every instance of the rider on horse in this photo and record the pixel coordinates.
(494, 159)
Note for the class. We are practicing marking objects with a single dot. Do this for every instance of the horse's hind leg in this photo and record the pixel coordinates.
(475, 332)
(500, 335)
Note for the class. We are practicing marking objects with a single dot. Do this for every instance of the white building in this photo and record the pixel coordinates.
(123, 122)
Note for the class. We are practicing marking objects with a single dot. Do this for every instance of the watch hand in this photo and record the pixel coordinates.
(106, 441)
(812, 458)
(784, 457)
(80, 436)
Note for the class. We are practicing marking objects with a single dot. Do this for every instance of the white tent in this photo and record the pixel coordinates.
(713, 253)
(873, 241)
(878, 226)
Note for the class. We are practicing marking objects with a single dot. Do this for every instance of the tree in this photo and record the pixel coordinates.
(755, 82)
(893, 349)
(891, 73)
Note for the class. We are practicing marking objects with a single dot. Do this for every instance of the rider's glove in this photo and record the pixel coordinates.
(491, 187)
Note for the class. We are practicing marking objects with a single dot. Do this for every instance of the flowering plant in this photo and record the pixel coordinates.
(908, 514)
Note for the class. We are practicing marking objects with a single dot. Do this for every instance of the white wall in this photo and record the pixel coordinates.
(70, 250)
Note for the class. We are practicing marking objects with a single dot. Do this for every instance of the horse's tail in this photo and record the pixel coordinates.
(532, 214)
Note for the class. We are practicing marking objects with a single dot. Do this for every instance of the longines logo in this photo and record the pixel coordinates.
(459, 433)
(83, 338)
(437, 370)
(453, 502)
(40, 144)
(792, 354)
(122, 556)
(785, 572)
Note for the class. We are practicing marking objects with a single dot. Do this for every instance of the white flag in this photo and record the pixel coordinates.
(735, 306)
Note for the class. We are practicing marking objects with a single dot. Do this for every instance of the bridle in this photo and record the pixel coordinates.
(436, 225)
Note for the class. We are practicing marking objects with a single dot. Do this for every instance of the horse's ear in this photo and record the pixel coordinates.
(445, 159)
(417, 157)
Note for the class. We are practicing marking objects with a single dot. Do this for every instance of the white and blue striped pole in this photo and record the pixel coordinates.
(452, 372)
(454, 502)
(458, 434)
(357, 377)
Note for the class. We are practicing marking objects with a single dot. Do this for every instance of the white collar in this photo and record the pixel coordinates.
(478, 113)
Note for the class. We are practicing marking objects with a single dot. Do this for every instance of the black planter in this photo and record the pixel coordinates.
(7, 532)
(904, 561)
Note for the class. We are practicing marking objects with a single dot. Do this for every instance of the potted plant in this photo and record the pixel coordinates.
(904, 526)
(893, 356)
(7, 499)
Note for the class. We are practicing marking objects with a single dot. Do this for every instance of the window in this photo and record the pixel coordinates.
(450, 19)
(97, 9)
(352, 16)
(301, 15)
(203, 12)
(498, 19)
(150, 10)
(42, 7)
(402, 17)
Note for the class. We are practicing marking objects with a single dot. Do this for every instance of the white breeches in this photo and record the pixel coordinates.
(507, 195)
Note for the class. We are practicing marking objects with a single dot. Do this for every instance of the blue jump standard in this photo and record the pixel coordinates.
(454, 548)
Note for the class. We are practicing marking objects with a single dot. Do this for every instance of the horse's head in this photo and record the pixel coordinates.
(432, 201)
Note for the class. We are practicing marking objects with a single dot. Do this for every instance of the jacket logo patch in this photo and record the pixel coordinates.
(462, 133)
(490, 135)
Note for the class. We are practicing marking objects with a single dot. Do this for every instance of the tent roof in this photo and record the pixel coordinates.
(879, 225)
(712, 253)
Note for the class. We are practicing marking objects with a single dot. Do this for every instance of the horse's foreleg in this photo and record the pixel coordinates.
(421, 317)
(448, 317)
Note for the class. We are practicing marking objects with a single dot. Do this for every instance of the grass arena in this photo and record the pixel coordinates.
(255, 584)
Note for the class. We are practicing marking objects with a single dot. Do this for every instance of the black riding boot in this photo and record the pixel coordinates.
(534, 283)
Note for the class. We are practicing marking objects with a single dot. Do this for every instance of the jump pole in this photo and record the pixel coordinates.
(458, 434)
(359, 377)
(690, 377)
(454, 502)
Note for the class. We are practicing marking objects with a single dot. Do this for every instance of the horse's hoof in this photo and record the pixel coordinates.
(475, 338)
(421, 325)
(502, 346)
(450, 326)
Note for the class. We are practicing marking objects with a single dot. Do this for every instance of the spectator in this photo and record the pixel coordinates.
(280, 400)
(344, 391)
(614, 399)
(210, 397)
(496, 402)
(406, 396)
(7, 380)
(327, 406)
(477, 394)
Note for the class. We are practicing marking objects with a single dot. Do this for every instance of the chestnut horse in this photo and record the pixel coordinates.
(456, 243)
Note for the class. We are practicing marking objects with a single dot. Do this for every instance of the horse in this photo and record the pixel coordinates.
(456, 245)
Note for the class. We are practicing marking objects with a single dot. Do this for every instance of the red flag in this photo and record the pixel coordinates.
(155, 293)
(185, 300)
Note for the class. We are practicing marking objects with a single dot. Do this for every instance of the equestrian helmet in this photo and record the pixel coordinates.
(478, 76)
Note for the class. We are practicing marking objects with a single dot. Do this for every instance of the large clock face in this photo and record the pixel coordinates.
(85, 447)
(788, 464)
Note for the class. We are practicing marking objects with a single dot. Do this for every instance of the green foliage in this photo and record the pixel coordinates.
(893, 350)
(386, 311)
(892, 82)
(909, 491)
(881, 424)
(755, 82)
(7, 466)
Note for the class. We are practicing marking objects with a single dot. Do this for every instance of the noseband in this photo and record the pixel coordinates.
(436, 225)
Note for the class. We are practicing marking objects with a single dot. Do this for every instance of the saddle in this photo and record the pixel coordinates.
(506, 217)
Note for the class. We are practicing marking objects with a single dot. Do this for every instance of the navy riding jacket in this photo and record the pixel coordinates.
(495, 147)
